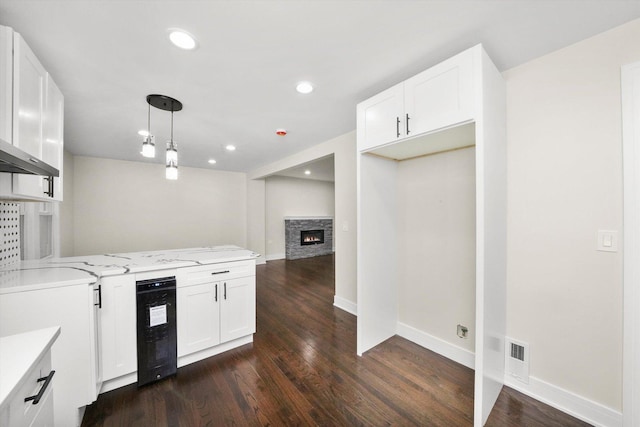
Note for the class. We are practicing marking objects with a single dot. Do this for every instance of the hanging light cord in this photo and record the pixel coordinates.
(149, 122)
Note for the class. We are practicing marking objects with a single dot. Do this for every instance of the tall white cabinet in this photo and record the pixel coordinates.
(458, 103)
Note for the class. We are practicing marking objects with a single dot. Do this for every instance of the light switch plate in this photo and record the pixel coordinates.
(607, 241)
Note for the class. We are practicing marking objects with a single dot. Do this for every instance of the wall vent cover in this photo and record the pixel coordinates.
(517, 360)
(517, 351)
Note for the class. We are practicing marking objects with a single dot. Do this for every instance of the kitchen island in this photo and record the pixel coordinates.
(92, 298)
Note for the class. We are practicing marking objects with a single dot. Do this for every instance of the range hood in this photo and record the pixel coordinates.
(14, 160)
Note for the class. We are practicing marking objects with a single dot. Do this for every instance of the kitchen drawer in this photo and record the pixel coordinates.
(26, 414)
(215, 272)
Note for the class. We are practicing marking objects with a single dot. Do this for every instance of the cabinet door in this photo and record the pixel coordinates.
(198, 313)
(380, 118)
(29, 79)
(118, 326)
(29, 93)
(6, 84)
(51, 149)
(238, 308)
(441, 96)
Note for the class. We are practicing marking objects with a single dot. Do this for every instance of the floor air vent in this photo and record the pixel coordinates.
(517, 360)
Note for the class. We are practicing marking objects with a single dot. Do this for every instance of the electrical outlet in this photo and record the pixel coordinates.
(463, 331)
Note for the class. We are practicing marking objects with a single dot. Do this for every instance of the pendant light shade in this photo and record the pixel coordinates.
(172, 160)
(166, 103)
(149, 146)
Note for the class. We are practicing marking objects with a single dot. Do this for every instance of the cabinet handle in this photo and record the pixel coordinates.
(225, 290)
(219, 272)
(407, 124)
(37, 397)
(99, 291)
(49, 191)
(216, 292)
(397, 127)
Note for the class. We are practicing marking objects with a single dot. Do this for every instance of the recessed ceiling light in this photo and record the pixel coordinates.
(304, 87)
(230, 147)
(143, 132)
(307, 172)
(281, 132)
(212, 161)
(182, 39)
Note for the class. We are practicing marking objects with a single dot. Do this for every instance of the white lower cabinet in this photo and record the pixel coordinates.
(238, 308)
(217, 311)
(74, 357)
(118, 324)
(26, 414)
(28, 379)
(198, 312)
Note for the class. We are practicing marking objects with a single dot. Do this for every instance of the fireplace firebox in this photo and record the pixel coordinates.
(311, 237)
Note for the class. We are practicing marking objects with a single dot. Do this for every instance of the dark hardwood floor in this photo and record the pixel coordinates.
(302, 369)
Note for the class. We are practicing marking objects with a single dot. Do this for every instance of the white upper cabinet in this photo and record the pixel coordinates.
(29, 79)
(6, 83)
(31, 118)
(51, 149)
(379, 118)
(439, 97)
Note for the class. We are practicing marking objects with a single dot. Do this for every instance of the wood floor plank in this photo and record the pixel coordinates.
(302, 370)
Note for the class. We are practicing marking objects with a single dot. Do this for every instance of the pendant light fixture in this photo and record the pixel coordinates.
(149, 142)
(166, 103)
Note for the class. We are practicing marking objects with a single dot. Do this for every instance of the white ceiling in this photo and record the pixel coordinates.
(238, 86)
(319, 170)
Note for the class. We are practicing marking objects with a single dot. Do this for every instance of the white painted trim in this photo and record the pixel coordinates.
(437, 345)
(630, 90)
(261, 260)
(345, 304)
(566, 401)
(274, 257)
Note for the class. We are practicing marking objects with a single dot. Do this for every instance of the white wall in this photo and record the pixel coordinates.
(564, 184)
(344, 150)
(436, 239)
(122, 206)
(256, 240)
(66, 208)
(293, 197)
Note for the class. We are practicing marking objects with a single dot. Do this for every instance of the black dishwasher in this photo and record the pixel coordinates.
(157, 345)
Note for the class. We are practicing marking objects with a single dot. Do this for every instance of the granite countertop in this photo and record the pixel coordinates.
(20, 353)
(56, 272)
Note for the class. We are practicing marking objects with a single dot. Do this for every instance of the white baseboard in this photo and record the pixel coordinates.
(274, 257)
(566, 401)
(345, 304)
(440, 346)
(261, 260)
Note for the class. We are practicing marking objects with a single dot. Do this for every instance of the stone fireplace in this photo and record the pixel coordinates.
(308, 236)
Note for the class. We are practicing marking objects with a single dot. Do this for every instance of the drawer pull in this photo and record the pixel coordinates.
(219, 272)
(37, 397)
